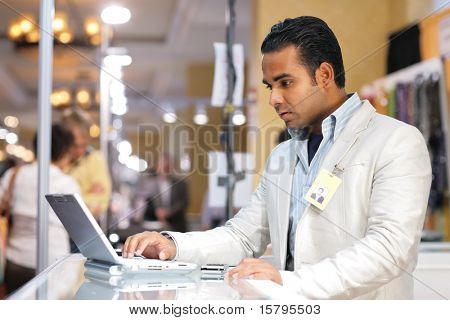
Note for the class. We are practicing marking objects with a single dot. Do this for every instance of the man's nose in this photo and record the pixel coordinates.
(275, 98)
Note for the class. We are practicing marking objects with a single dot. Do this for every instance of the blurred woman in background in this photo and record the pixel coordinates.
(22, 241)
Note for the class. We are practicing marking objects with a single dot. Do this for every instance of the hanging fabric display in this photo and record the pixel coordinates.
(414, 96)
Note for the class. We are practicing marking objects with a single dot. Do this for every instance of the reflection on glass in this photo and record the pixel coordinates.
(100, 285)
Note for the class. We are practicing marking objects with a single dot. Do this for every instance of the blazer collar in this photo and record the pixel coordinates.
(360, 120)
(350, 134)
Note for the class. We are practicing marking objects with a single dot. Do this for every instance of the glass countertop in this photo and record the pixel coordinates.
(69, 279)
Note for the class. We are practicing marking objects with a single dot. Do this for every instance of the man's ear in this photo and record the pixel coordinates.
(325, 75)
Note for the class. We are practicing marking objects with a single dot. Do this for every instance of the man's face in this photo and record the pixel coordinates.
(297, 101)
(81, 142)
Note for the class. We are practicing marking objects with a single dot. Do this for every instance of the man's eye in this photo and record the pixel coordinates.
(286, 83)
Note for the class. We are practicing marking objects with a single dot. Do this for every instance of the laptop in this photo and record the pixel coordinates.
(93, 244)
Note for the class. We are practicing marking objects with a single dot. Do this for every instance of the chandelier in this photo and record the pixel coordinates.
(25, 31)
(82, 97)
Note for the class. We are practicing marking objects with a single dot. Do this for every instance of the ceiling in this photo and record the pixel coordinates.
(163, 37)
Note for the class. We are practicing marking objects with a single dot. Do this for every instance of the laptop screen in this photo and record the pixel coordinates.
(82, 227)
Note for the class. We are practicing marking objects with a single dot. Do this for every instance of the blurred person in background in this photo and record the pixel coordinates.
(6, 165)
(88, 166)
(22, 240)
(163, 197)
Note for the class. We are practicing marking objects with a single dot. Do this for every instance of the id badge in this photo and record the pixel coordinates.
(323, 189)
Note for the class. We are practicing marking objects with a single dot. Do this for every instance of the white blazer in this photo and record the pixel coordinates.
(364, 244)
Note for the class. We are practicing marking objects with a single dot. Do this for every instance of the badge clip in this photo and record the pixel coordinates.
(338, 168)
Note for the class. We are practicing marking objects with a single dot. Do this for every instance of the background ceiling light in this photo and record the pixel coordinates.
(114, 72)
(11, 121)
(114, 237)
(117, 124)
(239, 118)
(94, 131)
(115, 15)
(65, 96)
(60, 98)
(65, 37)
(91, 26)
(116, 89)
(11, 149)
(136, 164)
(12, 138)
(170, 117)
(124, 147)
(54, 99)
(20, 152)
(59, 23)
(26, 24)
(119, 105)
(118, 60)
(3, 133)
(28, 156)
(14, 31)
(123, 158)
(33, 36)
(143, 165)
(26, 31)
(201, 119)
(119, 109)
(83, 97)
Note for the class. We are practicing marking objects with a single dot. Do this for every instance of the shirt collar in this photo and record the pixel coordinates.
(332, 125)
(344, 113)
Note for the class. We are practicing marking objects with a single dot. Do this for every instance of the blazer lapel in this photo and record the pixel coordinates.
(344, 143)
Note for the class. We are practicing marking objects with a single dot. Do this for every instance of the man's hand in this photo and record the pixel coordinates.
(151, 245)
(256, 269)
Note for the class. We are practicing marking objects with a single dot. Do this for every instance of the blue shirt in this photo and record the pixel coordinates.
(305, 171)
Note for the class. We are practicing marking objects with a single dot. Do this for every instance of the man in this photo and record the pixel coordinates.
(89, 168)
(362, 241)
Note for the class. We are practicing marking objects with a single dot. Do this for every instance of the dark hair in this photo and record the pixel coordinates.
(62, 141)
(315, 41)
(76, 118)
